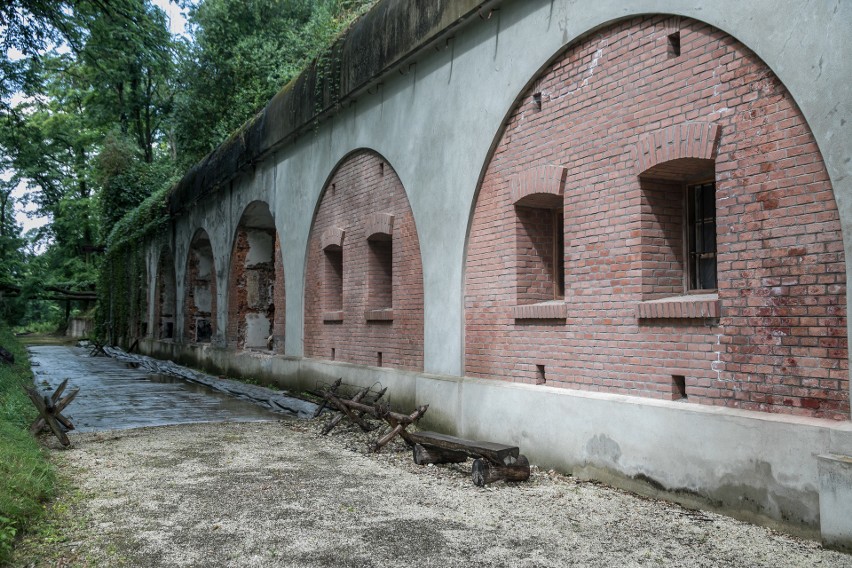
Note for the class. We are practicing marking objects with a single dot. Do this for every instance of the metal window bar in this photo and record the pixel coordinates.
(702, 236)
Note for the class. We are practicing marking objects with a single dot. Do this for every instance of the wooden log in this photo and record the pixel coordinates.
(39, 423)
(399, 427)
(335, 420)
(373, 411)
(496, 453)
(51, 422)
(332, 389)
(341, 405)
(485, 472)
(424, 455)
(54, 398)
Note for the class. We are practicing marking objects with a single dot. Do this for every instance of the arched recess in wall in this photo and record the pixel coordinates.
(256, 283)
(656, 220)
(200, 290)
(364, 275)
(165, 307)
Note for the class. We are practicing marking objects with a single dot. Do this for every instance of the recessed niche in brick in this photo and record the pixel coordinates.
(380, 272)
(678, 387)
(540, 377)
(669, 252)
(379, 359)
(333, 353)
(537, 100)
(539, 239)
(203, 330)
(333, 280)
(674, 44)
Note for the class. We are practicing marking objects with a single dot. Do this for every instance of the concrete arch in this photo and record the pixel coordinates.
(256, 302)
(200, 301)
(668, 134)
(363, 274)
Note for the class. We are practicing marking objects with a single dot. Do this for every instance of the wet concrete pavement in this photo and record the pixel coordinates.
(114, 395)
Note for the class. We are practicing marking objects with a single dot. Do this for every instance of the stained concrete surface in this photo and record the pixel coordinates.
(115, 395)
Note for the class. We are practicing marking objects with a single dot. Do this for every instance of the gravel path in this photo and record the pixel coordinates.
(279, 494)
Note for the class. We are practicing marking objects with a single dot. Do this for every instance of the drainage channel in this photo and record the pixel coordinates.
(121, 394)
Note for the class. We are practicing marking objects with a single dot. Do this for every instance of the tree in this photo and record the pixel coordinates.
(243, 52)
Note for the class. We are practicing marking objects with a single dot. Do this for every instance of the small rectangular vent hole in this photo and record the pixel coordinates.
(537, 100)
(379, 359)
(333, 353)
(540, 377)
(674, 44)
(678, 387)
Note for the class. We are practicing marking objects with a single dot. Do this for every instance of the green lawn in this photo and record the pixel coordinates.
(27, 477)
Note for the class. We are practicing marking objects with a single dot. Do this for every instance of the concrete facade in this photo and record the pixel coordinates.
(437, 114)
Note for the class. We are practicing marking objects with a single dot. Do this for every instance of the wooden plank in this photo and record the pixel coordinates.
(423, 455)
(497, 453)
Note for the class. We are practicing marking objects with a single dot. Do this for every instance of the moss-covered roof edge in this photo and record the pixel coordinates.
(378, 43)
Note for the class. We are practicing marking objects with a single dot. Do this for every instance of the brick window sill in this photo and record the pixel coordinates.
(385, 314)
(694, 306)
(553, 310)
(332, 316)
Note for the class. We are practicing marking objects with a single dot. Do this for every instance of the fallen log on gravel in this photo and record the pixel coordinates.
(485, 472)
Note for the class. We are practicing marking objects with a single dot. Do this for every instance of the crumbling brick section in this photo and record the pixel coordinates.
(364, 282)
(200, 291)
(633, 124)
(256, 285)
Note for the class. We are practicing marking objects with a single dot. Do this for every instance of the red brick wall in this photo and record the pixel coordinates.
(780, 344)
(362, 186)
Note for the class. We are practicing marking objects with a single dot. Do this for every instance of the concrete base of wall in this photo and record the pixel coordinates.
(835, 501)
(764, 468)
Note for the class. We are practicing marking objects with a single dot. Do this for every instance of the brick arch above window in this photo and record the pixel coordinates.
(671, 151)
(538, 186)
(379, 225)
(332, 238)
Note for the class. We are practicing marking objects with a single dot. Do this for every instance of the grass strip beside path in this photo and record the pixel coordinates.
(27, 477)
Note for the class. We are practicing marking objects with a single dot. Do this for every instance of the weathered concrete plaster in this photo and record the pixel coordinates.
(835, 496)
(436, 117)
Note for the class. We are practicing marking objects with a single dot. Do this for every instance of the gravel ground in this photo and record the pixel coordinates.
(279, 494)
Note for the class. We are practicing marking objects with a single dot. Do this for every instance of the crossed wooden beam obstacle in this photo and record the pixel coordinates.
(50, 409)
(97, 349)
(492, 462)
